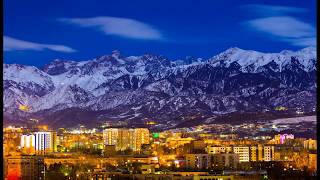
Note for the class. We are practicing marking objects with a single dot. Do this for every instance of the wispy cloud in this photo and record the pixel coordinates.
(12, 44)
(282, 27)
(271, 10)
(124, 27)
(310, 41)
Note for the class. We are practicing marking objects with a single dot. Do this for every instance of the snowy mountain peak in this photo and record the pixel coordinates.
(233, 49)
(257, 59)
(309, 49)
(115, 53)
(57, 60)
(286, 52)
(155, 82)
(58, 66)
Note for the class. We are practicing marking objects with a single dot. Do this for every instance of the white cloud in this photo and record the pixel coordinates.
(12, 44)
(271, 10)
(285, 28)
(124, 27)
(278, 25)
(312, 41)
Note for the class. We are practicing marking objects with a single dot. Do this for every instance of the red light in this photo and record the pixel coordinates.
(13, 175)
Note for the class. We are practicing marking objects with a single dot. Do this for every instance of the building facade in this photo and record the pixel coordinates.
(124, 139)
(243, 152)
(39, 142)
(247, 153)
(310, 144)
(230, 160)
(197, 161)
(24, 167)
(281, 138)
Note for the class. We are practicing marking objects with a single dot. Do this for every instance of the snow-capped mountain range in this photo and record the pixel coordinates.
(138, 88)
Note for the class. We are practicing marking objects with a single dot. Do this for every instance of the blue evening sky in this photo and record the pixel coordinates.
(36, 32)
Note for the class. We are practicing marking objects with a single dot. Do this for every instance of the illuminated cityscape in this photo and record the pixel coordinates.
(160, 90)
(84, 153)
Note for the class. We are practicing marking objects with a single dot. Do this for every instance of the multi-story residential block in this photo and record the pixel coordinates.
(197, 161)
(256, 153)
(312, 162)
(124, 138)
(39, 142)
(268, 153)
(110, 136)
(140, 137)
(246, 153)
(218, 149)
(243, 152)
(24, 167)
(230, 160)
(310, 144)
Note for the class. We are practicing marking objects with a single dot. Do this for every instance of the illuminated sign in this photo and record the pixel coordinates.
(155, 135)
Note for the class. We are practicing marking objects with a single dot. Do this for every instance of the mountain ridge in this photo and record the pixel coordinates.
(149, 86)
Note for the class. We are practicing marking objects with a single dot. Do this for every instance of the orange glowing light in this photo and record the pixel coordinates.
(24, 108)
(151, 123)
(43, 127)
(13, 174)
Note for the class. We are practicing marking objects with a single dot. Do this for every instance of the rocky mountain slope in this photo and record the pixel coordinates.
(151, 87)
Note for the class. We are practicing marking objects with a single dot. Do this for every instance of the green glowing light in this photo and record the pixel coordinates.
(155, 135)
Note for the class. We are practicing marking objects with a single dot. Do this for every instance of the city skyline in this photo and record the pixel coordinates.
(88, 153)
(159, 90)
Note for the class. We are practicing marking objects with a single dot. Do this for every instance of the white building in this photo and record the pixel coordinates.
(39, 142)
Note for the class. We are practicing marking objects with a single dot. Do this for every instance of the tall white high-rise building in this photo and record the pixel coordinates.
(39, 142)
